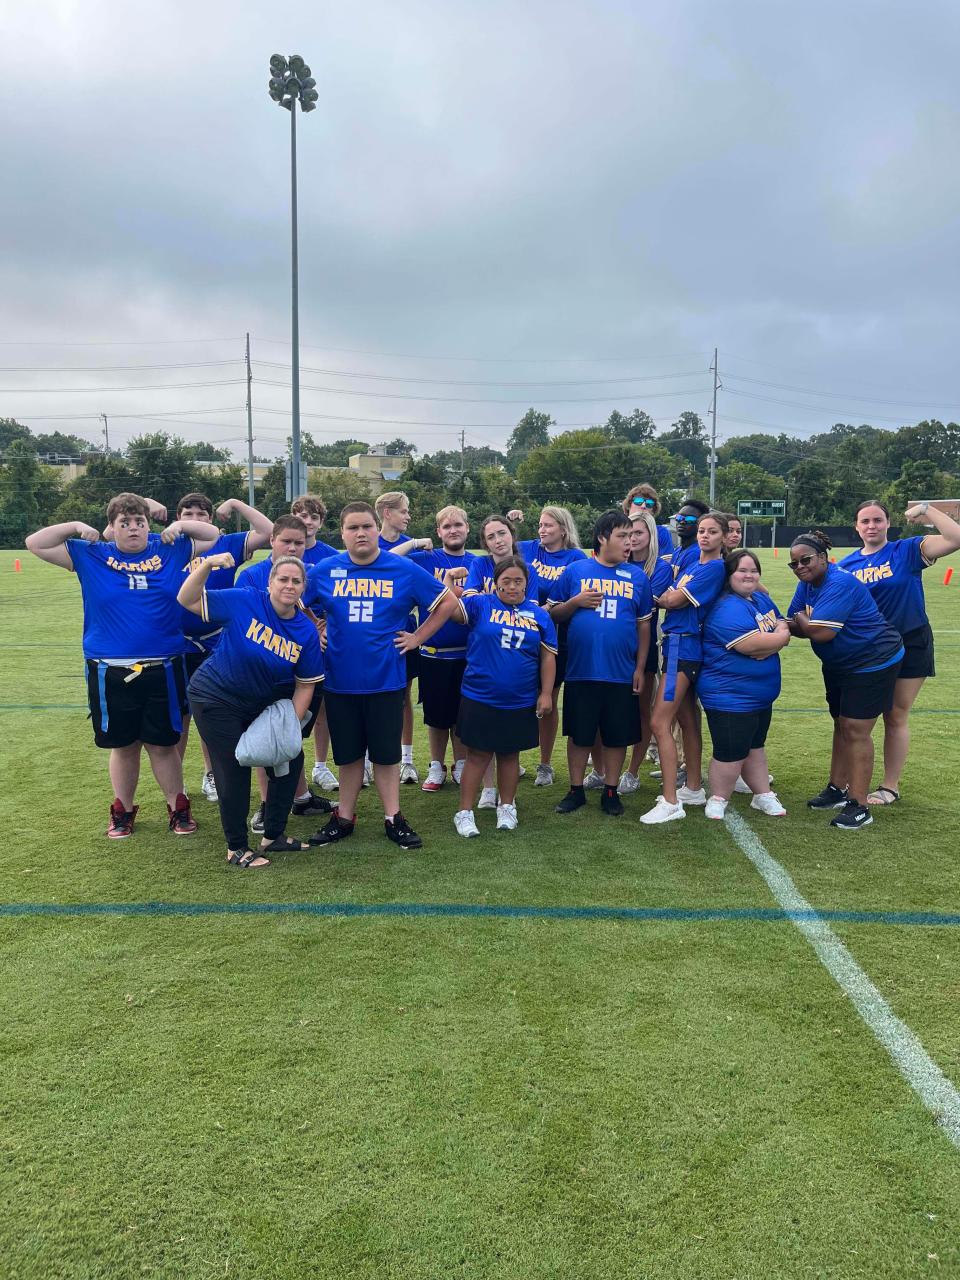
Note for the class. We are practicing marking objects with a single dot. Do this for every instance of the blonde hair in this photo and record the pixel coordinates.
(289, 560)
(448, 513)
(645, 517)
(390, 501)
(566, 522)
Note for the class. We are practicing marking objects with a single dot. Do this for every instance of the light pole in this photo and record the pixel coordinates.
(290, 83)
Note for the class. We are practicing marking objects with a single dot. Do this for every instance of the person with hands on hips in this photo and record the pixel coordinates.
(892, 573)
(268, 650)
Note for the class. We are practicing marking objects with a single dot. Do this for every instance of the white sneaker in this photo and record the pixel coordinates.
(768, 802)
(465, 823)
(209, 787)
(663, 811)
(686, 796)
(741, 788)
(594, 781)
(544, 776)
(629, 782)
(367, 771)
(716, 807)
(324, 777)
(506, 817)
(488, 798)
(457, 772)
(436, 776)
(522, 773)
(408, 772)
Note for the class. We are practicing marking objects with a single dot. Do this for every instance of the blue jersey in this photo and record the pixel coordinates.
(602, 642)
(661, 580)
(732, 681)
(319, 551)
(682, 557)
(256, 577)
(503, 651)
(664, 541)
(701, 584)
(451, 640)
(130, 605)
(260, 655)
(203, 635)
(548, 565)
(892, 576)
(480, 579)
(366, 606)
(864, 640)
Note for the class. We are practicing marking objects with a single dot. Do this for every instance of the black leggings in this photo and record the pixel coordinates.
(221, 729)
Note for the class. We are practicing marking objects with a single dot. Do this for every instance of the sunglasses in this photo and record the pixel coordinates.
(801, 561)
(686, 519)
(644, 502)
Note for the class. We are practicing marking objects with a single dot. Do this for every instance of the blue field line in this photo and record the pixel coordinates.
(459, 910)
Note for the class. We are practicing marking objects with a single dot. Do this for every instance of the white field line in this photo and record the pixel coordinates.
(934, 1090)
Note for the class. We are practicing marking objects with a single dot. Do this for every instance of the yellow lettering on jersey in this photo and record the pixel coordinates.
(263, 635)
(364, 587)
(766, 621)
(135, 566)
(608, 586)
(507, 618)
(874, 572)
(549, 572)
(253, 631)
(682, 582)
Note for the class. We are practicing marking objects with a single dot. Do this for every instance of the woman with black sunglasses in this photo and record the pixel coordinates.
(861, 655)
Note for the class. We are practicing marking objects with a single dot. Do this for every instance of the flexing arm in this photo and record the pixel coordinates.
(412, 544)
(947, 538)
(261, 527)
(190, 594)
(48, 544)
(204, 535)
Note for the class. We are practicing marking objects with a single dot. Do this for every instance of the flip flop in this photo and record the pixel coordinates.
(883, 795)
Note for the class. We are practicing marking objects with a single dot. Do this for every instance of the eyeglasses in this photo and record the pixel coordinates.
(801, 561)
(644, 502)
(686, 519)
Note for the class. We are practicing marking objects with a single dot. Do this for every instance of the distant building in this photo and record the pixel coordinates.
(380, 470)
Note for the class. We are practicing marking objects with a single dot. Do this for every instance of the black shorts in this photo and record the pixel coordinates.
(502, 730)
(194, 660)
(365, 722)
(862, 696)
(316, 702)
(736, 733)
(652, 665)
(149, 708)
(440, 681)
(686, 667)
(413, 665)
(612, 709)
(918, 654)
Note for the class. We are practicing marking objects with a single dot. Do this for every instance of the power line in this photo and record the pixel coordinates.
(110, 368)
(386, 395)
(161, 386)
(915, 404)
(474, 382)
(407, 355)
(126, 342)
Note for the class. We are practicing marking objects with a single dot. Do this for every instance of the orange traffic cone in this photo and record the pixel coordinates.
(16, 567)
(946, 577)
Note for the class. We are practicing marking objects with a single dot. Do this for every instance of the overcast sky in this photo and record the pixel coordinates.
(566, 191)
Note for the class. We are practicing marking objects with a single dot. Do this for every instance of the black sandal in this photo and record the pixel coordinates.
(249, 857)
(234, 856)
(283, 844)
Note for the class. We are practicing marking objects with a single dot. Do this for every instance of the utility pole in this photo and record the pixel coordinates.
(106, 431)
(713, 431)
(462, 449)
(250, 493)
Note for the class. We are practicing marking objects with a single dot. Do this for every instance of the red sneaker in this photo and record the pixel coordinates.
(121, 821)
(182, 822)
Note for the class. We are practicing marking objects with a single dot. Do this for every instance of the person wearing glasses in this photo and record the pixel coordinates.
(739, 683)
(685, 522)
(644, 497)
(861, 654)
(892, 573)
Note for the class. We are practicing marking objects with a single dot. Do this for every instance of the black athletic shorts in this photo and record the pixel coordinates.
(652, 664)
(365, 722)
(918, 656)
(736, 733)
(592, 705)
(502, 730)
(440, 681)
(147, 708)
(862, 696)
(194, 660)
(413, 665)
(316, 702)
(686, 666)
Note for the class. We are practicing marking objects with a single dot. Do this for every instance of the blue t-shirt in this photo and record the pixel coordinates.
(864, 640)
(256, 577)
(204, 635)
(260, 655)
(549, 565)
(602, 642)
(319, 551)
(892, 576)
(701, 584)
(732, 681)
(661, 580)
(366, 606)
(451, 640)
(664, 541)
(480, 579)
(130, 605)
(682, 557)
(503, 651)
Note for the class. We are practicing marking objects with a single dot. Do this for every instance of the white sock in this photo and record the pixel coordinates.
(306, 796)
(438, 763)
(458, 764)
(406, 754)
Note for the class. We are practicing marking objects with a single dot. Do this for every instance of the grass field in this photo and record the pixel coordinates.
(260, 1085)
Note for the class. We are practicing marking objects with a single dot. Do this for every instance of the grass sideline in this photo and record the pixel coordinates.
(285, 1095)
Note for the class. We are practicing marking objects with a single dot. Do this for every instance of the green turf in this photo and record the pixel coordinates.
(289, 1096)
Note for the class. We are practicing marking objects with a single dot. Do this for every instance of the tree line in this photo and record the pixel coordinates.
(822, 477)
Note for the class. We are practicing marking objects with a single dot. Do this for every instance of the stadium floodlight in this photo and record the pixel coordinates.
(291, 82)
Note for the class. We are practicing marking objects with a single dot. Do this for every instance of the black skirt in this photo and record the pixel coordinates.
(501, 730)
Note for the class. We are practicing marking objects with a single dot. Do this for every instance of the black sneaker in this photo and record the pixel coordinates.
(611, 803)
(336, 829)
(256, 822)
(401, 833)
(852, 817)
(573, 800)
(830, 797)
(311, 806)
